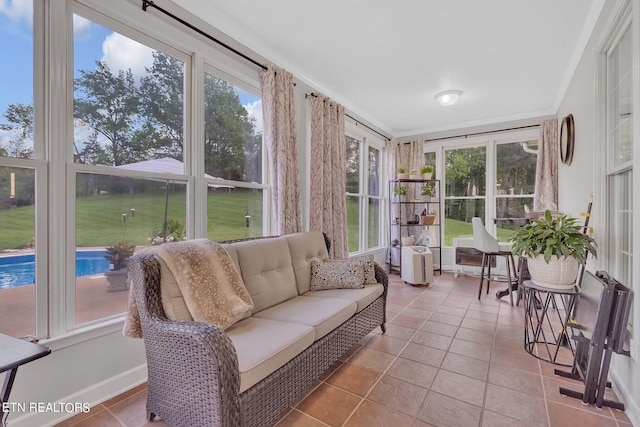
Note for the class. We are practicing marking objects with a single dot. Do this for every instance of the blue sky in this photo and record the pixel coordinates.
(91, 42)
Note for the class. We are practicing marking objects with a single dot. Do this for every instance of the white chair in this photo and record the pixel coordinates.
(491, 248)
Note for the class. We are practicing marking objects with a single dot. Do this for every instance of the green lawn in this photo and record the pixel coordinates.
(99, 219)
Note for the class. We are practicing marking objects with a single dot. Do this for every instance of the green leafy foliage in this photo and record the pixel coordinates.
(550, 236)
(117, 254)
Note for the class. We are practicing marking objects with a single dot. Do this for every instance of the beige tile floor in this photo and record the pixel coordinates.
(446, 359)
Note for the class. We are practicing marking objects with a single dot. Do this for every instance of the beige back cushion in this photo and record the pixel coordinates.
(265, 266)
(305, 248)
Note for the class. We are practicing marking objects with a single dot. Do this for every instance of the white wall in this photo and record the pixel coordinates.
(584, 176)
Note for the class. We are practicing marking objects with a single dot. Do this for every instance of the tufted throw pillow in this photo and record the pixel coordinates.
(336, 274)
(369, 269)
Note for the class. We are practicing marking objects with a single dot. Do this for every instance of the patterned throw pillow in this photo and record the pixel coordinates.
(369, 269)
(337, 274)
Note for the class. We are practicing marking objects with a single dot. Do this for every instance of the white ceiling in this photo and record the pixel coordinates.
(385, 60)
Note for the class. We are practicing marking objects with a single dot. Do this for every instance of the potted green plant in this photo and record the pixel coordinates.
(427, 191)
(427, 171)
(400, 192)
(402, 173)
(555, 248)
(413, 174)
(117, 255)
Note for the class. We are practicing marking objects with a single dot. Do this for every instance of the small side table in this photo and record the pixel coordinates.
(544, 327)
(14, 353)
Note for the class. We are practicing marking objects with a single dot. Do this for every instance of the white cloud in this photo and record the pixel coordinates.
(81, 26)
(122, 53)
(17, 10)
(255, 110)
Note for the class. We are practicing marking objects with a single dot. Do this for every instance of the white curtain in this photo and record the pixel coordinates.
(328, 181)
(280, 135)
(546, 189)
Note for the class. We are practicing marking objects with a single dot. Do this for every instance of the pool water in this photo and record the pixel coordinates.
(19, 270)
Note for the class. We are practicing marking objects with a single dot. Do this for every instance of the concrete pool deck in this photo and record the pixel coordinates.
(17, 305)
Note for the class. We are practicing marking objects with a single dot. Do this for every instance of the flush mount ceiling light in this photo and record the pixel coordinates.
(448, 97)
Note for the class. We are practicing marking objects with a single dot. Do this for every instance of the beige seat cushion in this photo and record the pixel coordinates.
(265, 345)
(323, 314)
(362, 297)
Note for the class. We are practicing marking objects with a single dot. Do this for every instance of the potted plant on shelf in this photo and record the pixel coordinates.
(427, 191)
(400, 192)
(413, 174)
(402, 173)
(555, 248)
(426, 171)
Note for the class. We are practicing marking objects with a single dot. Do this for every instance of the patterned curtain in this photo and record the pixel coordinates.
(280, 135)
(328, 205)
(410, 156)
(546, 189)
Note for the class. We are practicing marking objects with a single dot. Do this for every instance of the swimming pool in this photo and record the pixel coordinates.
(18, 270)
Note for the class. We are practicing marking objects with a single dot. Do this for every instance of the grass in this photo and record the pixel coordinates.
(99, 219)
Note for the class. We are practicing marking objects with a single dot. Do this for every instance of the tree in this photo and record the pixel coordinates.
(230, 138)
(108, 103)
(161, 105)
(20, 124)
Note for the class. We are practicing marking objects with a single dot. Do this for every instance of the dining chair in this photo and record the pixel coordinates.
(491, 249)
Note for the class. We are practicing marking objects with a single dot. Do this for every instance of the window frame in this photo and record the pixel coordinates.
(369, 139)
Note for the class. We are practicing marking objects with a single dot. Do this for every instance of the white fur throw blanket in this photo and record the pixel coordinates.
(210, 284)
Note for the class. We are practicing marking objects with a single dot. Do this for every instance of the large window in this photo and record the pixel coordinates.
(619, 156)
(233, 160)
(18, 172)
(493, 178)
(465, 190)
(128, 116)
(111, 155)
(364, 193)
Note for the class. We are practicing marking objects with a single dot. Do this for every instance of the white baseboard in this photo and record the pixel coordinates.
(93, 395)
(631, 408)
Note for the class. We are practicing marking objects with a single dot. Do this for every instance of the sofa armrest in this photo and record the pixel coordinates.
(192, 366)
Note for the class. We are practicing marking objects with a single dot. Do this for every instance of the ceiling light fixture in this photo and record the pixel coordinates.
(448, 97)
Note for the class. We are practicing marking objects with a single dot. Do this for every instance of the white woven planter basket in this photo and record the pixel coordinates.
(558, 273)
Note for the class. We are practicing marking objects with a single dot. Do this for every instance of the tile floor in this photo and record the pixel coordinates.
(446, 359)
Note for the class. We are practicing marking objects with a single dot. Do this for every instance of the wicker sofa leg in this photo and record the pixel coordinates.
(150, 416)
(383, 327)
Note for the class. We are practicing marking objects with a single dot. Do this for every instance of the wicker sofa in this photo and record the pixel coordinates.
(248, 374)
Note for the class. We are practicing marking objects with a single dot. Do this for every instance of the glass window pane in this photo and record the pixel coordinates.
(233, 132)
(234, 213)
(373, 224)
(430, 160)
(16, 79)
(465, 172)
(516, 169)
(17, 251)
(374, 172)
(458, 214)
(620, 93)
(353, 164)
(119, 213)
(353, 223)
(128, 99)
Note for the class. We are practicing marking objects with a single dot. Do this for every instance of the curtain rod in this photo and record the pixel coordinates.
(307, 95)
(147, 3)
(481, 133)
